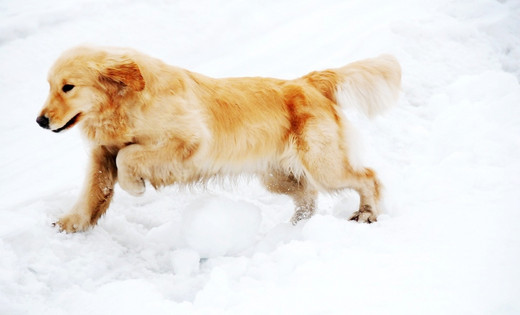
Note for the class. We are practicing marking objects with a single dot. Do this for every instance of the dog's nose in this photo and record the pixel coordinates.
(43, 121)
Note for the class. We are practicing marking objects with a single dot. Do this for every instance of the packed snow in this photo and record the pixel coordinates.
(448, 155)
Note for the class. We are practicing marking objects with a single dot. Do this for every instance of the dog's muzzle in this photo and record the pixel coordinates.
(43, 121)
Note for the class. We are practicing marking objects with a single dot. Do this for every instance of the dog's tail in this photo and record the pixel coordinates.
(370, 85)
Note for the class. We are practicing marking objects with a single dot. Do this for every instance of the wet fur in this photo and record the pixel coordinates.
(151, 122)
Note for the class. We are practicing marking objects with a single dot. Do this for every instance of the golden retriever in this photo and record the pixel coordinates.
(151, 122)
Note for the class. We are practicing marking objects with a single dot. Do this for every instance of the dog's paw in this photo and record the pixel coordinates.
(72, 222)
(364, 215)
(133, 186)
(301, 214)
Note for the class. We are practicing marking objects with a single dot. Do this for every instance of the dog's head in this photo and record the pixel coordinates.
(83, 81)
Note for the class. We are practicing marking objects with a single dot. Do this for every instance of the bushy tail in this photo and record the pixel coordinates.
(369, 85)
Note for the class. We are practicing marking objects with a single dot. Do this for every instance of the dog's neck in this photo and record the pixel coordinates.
(106, 126)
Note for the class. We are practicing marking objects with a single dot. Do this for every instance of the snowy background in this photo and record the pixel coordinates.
(449, 155)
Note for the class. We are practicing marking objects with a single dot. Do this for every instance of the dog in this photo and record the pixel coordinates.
(150, 122)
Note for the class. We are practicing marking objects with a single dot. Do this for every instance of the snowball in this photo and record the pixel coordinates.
(217, 226)
(185, 262)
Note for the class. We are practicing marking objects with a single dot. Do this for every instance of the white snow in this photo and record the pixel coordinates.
(448, 154)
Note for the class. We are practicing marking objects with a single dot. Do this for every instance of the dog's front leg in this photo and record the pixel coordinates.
(97, 192)
(129, 164)
(161, 165)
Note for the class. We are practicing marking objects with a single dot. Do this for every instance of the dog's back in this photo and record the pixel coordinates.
(257, 122)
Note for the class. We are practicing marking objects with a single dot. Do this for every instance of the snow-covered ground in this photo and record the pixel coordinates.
(449, 155)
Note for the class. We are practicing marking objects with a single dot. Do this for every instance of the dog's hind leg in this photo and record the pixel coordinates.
(328, 166)
(302, 193)
(319, 130)
(323, 151)
(97, 192)
(368, 186)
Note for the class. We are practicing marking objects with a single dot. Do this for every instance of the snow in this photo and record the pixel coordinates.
(218, 226)
(448, 154)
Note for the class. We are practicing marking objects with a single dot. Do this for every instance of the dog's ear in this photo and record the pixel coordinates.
(123, 72)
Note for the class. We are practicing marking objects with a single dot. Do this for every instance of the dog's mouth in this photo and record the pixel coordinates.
(69, 124)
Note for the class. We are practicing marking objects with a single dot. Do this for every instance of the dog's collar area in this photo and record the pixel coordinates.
(69, 124)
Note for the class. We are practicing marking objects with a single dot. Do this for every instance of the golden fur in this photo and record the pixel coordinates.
(149, 121)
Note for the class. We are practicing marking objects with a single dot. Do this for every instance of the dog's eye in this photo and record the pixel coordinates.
(67, 87)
